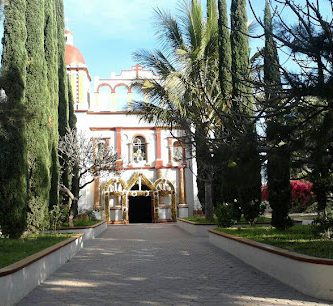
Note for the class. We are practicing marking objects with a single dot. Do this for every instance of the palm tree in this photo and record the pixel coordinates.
(187, 95)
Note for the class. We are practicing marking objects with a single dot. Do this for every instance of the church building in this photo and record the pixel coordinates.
(155, 182)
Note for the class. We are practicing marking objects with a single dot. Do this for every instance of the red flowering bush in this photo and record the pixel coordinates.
(301, 194)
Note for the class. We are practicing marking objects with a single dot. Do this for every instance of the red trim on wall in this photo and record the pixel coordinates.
(78, 69)
(129, 90)
(118, 142)
(158, 143)
(159, 161)
(115, 113)
(126, 128)
(104, 85)
(150, 167)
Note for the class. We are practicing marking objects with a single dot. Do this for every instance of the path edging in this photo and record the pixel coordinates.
(200, 230)
(18, 279)
(309, 275)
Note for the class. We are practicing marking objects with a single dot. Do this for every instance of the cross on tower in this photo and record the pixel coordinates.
(137, 69)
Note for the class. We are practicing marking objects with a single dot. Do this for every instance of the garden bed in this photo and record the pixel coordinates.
(81, 224)
(89, 232)
(13, 250)
(201, 220)
(19, 278)
(298, 238)
(308, 274)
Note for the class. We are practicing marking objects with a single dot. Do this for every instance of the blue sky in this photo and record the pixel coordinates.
(109, 31)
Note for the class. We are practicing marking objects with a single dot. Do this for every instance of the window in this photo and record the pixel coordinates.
(139, 149)
(101, 145)
(178, 149)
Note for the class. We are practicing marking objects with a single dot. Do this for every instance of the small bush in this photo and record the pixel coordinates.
(323, 225)
(58, 216)
(225, 215)
(251, 211)
(87, 215)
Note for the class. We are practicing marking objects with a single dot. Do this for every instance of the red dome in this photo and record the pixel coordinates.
(73, 56)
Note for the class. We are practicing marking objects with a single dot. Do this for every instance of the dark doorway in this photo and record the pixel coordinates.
(140, 210)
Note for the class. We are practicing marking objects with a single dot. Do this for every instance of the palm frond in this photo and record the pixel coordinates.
(168, 30)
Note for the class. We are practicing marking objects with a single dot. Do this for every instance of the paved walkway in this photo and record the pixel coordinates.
(159, 265)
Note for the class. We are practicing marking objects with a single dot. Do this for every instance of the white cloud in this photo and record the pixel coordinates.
(116, 18)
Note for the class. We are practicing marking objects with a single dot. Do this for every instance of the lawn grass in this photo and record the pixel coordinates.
(82, 223)
(260, 219)
(13, 250)
(202, 220)
(298, 238)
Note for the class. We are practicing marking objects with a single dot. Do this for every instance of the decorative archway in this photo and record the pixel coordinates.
(140, 179)
(166, 189)
(115, 193)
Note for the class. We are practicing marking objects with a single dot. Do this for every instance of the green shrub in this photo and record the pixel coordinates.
(87, 215)
(251, 211)
(323, 224)
(225, 215)
(58, 216)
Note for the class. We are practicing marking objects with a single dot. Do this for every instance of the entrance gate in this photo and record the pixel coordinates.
(139, 200)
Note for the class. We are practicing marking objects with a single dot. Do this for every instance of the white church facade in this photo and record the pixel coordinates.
(155, 182)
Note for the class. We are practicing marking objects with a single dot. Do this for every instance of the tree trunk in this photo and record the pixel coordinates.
(209, 211)
(73, 211)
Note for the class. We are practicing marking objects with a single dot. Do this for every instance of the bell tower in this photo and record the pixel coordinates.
(78, 73)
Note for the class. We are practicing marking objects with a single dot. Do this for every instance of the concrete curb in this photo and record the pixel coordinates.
(310, 275)
(18, 279)
(200, 230)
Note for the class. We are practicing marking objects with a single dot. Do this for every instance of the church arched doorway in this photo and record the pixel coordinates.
(140, 205)
(140, 209)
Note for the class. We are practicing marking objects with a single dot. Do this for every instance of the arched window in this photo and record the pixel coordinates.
(139, 149)
(178, 152)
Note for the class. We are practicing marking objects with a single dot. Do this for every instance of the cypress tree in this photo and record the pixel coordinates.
(37, 99)
(239, 49)
(63, 106)
(225, 78)
(13, 162)
(224, 52)
(51, 54)
(245, 148)
(278, 166)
